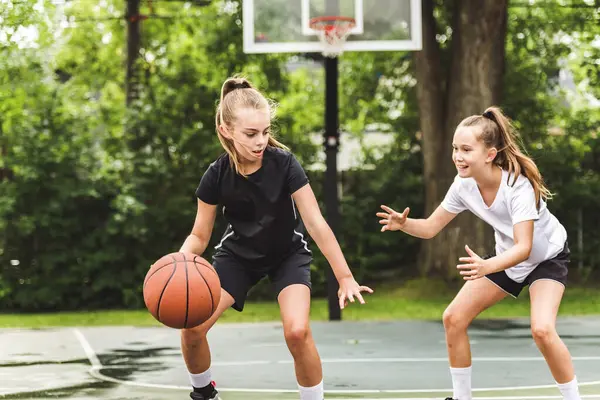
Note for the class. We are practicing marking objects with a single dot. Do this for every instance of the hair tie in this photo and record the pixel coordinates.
(489, 115)
(241, 85)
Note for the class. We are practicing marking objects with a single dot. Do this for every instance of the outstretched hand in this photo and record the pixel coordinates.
(392, 220)
(349, 289)
(473, 267)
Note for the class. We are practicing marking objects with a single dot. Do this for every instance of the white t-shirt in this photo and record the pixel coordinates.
(513, 204)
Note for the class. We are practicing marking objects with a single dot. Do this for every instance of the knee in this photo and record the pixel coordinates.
(454, 321)
(194, 335)
(296, 335)
(542, 332)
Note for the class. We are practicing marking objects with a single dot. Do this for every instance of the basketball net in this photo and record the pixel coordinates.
(333, 32)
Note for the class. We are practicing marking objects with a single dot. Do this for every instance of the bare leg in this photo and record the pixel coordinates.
(294, 303)
(194, 345)
(546, 296)
(472, 299)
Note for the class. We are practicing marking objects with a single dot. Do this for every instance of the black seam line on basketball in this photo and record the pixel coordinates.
(212, 301)
(187, 292)
(165, 287)
(213, 309)
(157, 269)
(206, 265)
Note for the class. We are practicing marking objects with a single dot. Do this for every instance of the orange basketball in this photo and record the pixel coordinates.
(182, 290)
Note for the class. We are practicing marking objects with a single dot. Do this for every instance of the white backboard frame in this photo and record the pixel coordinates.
(252, 47)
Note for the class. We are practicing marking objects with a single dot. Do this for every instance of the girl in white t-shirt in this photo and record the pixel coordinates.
(504, 187)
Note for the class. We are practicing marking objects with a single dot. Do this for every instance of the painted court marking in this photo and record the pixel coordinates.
(9, 390)
(96, 367)
(593, 396)
(268, 345)
(404, 360)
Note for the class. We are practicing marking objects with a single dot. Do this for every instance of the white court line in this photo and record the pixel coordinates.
(268, 345)
(96, 367)
(11, 390)
(235, 363)
(394, 360)
(425, 359)
(472, 341)
(87, 348)
(592, 396)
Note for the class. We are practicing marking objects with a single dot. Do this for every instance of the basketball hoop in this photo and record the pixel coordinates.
(333, 32)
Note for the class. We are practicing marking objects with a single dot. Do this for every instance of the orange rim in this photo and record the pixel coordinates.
(330, 23)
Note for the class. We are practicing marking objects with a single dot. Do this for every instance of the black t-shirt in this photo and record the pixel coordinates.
(263, 222)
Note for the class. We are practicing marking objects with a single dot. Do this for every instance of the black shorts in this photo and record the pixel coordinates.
(555, 269)
(238, 276)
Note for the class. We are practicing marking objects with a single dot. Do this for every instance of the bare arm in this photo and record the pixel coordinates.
(320, 232)
(198, 239)
(323, 236)
(523, 234)
(421, 228)
(475, 267)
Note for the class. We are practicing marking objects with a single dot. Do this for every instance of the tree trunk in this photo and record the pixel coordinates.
(132, 81)
(5, 172)
(447, 94)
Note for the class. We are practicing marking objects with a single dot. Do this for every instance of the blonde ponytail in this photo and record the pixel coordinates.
(497, 131)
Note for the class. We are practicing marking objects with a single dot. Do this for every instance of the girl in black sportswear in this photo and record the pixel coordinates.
(265, 197)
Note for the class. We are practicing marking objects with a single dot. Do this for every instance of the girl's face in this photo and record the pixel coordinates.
(250, 133)
(469, 153)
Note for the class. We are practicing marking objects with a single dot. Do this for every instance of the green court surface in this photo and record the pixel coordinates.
(361, 360)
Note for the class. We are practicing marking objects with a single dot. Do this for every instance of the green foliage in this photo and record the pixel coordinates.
(91, 192)
(558, 118)
(422, 299)
(97, 192)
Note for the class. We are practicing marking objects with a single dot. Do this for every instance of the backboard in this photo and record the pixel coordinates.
(283, 26)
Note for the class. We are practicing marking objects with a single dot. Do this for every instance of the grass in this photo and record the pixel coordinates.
(417, 299)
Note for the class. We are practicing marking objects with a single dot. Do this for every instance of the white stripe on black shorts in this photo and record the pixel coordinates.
(555, 269)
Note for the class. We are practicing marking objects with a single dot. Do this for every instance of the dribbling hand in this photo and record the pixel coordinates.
(392, 220)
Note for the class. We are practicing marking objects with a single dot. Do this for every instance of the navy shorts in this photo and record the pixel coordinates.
(238, 276)
(555, 269)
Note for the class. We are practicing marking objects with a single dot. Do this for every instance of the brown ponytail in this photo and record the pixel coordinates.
(497, 131)
(238, 93)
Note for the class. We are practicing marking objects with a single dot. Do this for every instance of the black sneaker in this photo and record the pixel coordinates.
(450, 398)
(207, 393)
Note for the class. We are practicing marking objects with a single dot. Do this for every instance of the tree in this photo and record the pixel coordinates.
(459, 73)
(133, 17)
(378, 88)
(83, 219)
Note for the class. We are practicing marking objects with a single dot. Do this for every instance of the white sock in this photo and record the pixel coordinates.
(200, 380)
(569, 390)
(461, 383)
(311, 393)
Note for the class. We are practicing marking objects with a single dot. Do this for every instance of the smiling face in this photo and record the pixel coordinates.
(470, 155)
(250, 133)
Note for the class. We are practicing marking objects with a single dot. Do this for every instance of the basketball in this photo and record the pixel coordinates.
(182, 290)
